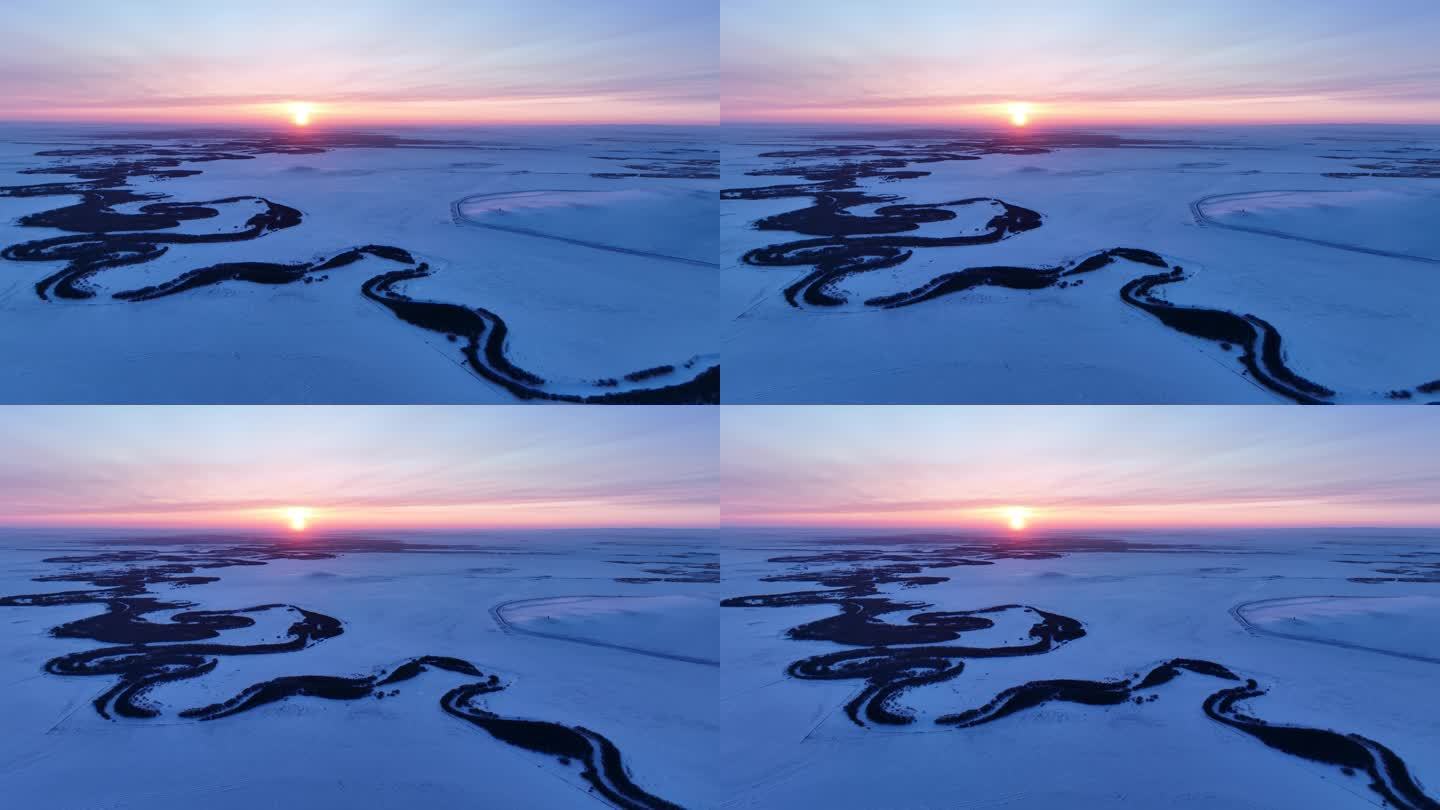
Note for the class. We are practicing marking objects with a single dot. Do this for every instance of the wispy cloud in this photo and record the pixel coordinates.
(1323, 60)
(359, 466)
(1081, 466)
(369, 58)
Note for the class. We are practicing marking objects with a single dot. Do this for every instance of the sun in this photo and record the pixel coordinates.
(299, 518)
(300, 113)
(1019, 114)
(1019, 516)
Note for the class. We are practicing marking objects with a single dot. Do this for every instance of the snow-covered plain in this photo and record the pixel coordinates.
(400, 751)
(670, 623)
(576, 313)
(789, 743)
(595, 216)
(1353, 320)
(1398, 625)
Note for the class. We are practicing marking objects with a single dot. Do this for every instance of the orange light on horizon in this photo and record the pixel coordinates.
(299, 519)
(348, 112)
(1019, 114)
(300, 113)
(1019, 517)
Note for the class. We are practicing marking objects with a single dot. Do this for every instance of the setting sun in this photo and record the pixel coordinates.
(1018, 517)
(298, 519)
(1019, 114)
(300, 114)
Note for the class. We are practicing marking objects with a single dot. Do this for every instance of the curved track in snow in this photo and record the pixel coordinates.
(457, 214)
(1238, 613)
(498, 613)
(1197, 209)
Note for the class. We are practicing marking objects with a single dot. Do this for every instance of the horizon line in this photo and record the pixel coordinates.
(344, 123)
(1031, 530)
(312, 530)
(991, 123)
(977, 123)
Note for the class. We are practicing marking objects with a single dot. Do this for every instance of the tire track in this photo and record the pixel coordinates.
(458, 216)
(1197, 209)
(848, 245)
(102, 237)
(498, 613)
(892, 657)
(1238, 613)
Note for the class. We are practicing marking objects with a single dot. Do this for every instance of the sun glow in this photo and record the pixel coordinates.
(299, 518)
(1018, 517)
(1019, 114)
(300, 114)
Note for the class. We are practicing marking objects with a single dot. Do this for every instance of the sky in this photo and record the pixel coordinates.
(361, 61)
(1080, 467)
(1097, 61)
(415, 467)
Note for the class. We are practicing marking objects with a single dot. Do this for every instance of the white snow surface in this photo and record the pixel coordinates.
(675, 222)
(1401, 624)
(788, 743)
(399, 752)
(574, 312)
(669, 622)
(1360, 324)
(745, 735)
(1392, 220)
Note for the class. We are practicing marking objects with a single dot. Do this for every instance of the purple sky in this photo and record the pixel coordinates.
(476, 61)
(1130, 61)
(1081, 466)
(358, 467)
